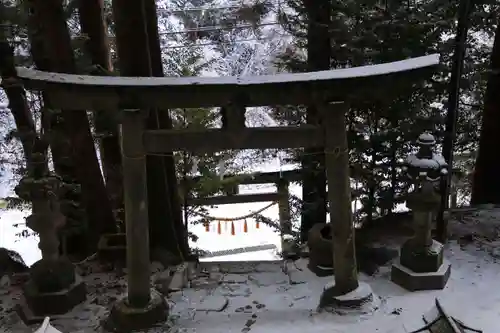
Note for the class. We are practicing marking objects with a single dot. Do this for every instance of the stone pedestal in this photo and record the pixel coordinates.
(123, 318)
(53, 289)
(414, 281)
(362, 299)
(421, 265)
(421, 268)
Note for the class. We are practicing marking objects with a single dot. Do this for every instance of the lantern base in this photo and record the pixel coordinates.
(422, 259)
(414, 281)
(36, 305)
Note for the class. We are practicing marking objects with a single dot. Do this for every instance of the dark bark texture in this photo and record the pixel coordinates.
(313, 163)
(135, 38)
(486, 181)
(72, 143)
(93, 24)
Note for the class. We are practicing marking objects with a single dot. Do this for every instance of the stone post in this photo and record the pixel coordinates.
(53, 287)
(141, 308)
(345, 290)
(421, 265)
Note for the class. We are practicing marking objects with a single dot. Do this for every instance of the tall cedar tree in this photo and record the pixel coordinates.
(52, 43)
(162, 120)
(93, 25)
(134, 60)
(486, 181)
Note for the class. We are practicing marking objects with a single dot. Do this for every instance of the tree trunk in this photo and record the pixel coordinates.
(163, 121)
(134, 59)
(313, 162)
(74, 126)
(372, 185)
(464, 10)
(64, 167)
(486, 181)
(92, 22)
(394, 172)
(41, 61)
(18, 104)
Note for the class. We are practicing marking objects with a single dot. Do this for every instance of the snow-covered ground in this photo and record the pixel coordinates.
(261, 298)
(285, 307)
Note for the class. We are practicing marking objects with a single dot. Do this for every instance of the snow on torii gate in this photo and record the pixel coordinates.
(331, 91)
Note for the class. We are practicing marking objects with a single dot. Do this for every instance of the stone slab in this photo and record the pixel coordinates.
(234, 279)
(271, 266)
(414, 281)
(238, 267)
(205, 282)
(212, 303)
(268, 278)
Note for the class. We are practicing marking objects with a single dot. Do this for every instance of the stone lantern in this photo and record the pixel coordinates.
(421, 265)
(53, 287)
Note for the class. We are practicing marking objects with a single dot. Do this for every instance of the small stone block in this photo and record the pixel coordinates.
(179, 278)
(414, 281)
(112, 248)
(319, 271)
(124, 318)
(54, 303)
(429, 260)
(356, 298)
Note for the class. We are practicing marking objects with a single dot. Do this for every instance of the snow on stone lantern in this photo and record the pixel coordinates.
(421, 265)
(426, 163)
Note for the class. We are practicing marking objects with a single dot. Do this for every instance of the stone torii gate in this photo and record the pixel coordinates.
(331, 91)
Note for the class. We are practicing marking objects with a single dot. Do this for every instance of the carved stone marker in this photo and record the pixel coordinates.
(421, 265)
(53, 287)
